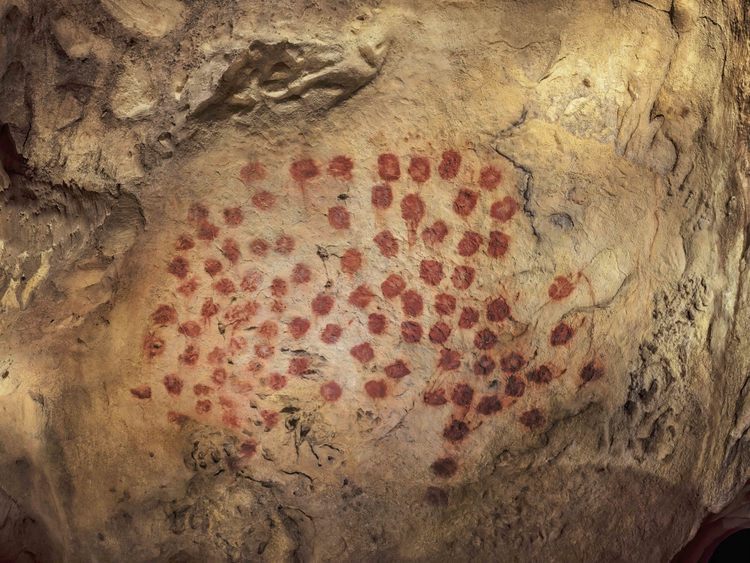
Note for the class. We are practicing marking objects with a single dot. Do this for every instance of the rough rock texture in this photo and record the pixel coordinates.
(374, 280)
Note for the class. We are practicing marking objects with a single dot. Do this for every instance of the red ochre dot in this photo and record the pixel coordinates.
(164, 315)
(411, 332)
(465, 202)
(431, 272)
(191, 329)
(449, 360)
(173, 384)
(179, 267)
(532, 419)
(515, 386)
(469, 317)
(251, 281)
(304, 169)
(504, 209)
(490, 178)
(469, 244)
(224, 286)
(298, 366)
(259, 247)
(376, 388)
(439, 333)
(361, 296)
(435, 233)
(197, 212)
(209, 309)
(284, 245)
(382, 196)
(298, 327)
(498, 310)
(301, 273)
(276, 381)
(498, 244)
(189, 356)
(341, 167)
(219, 376)
(376, 323)
(200, 389)
(411, 303)
(445, 304)
(449, 165)
(231, 250)
(561, 334)
(591, 372)
(212, 266)
(419, 169)
(456, 431)
(322, 304)
(560, 288)
(338, 217)
(330, 391)
(387, 243)
(412, 210)
(264, 200)
(392, 286)
(189, 287)
(270, 418)
(435, 398)
(485, 339)
(540, 375)
(351, 261)
(184, 242)
(207, 231)
(363, 353)
(512, 362)
(278, 287)
(233, 216)
(462, 395)
(252, 172)
(216, 356)
(203, 406)
(463, 277)
(153, 345)
(444, 467)
(489, 404)
(484, 366)
(388, 167)
(268, 329)
(397, 370)
(331, 333)
(141, 392)
(239, 313)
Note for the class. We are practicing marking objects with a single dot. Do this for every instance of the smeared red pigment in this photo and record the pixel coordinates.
(469, 243)
(363, 353)
(411, 332)
(298, 327)
(278, 287)
(173, 384)
(188, 288)
(189, 356)
(465, 202)
(561, 334)
(278, 306)
(463, 277)
(449, 165)
(276, 381)
(153, 345)
(200, 389)
(212, 266)
(284, 245)
(439, 333)
(444, 467)
(191, 329)
(591, 372)
(361, 296)
(515, 386)
(231, 250)
(462, 395)
(489, 404)
(233, 216)
(490, 178)
(351, 261)
(382, 196)
(184, 242)
(263, 200)
(484, 366)
(512, 362)
(219, 376)
(237, 344)
(485, 339)
(456, 431)
(387, 243)
(179, 267)
(298, 366)
(177, 418)
(259, 247)
(216, 356)
(498, 310)
(203, 406)
(141, 392)
(411, 303)
(532, 419)
(252, 172)
(498, 244)
(331, 334)
(322, 304)
(504, 209)
(392, 286)
(251, 281)
(268, 329)
(560, 288)
(164, 315)
(397, 370)
(270, 418)
(341, 167)
(540, 375)
(436, 496)
(225, 286)
(419, 169)
(431, 272)
(376, 388)
(330, 391)
(449, 360)
(209, 309)
(303, 170)
(435, 398)
(207, 231)
(376, 323)
(469, 317)
(197, 212)
(435, 233)
(338, 217)
(412, 211)
(388, 167)
(301, 273)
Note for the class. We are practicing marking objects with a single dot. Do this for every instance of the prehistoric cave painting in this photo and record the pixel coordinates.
(356, 288)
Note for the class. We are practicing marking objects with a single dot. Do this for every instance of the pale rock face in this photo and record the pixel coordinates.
(371, 281)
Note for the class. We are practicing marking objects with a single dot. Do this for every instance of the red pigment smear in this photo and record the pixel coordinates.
(303, 170)
(231, 250)
(376, 323)
(363, 353)
(469, 317)
(351, 261)
(153, 345)
(541, 375)
(490, 178)
(200, 389)
(439, 333)
(203, 406)
(197, 212)
(419, 169)
(237, 344)
(382, 196)
(498, 310)
(298, 366)
(233, 216)
(173, 384)
(512, 362)
(219, 376)
(284, 245)
(322, 304)
(212, 266)
(560, 288)
(463, 277)
(216, 356)
(251, 281)
(515, 386)
(435, 233)
(276, 381)
(264, 200)
(331, 334)
(411, 332)
(301, 274)
(264, 351)
(184, 242)
(177, 418)
(504, 209)
(141, 392)
(489, 404)
(485, 339)
(278, 306)
(341, 167)
(248, 448)
(498, 245)
(412, 211)
(207, 231)
(225, 286)
(484, 366)
(462, 395)
(387, 243)
(189, 356)
(252, 172)
(397, 370)
(411, 303)
(392, 286)
(259, 247)
(191, 329)
(591, 372)
(456, 431)
(330, 391)
(444, 467)
(449, 360)
(435, 398)
(164, 315)
(188, 288)
(469, 243)
(465, 202)
(268, 329)
(298, 327)
(361, 296)
(209, 309)
(278, 287)
(561, 334)
(270, 418)
(532, 419)
(179, 267)
(445, 304)
(388, 167)
(431, 272)
(376, 388)
(449, 165)
(338, 217)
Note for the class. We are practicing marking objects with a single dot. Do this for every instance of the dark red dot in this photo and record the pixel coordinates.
(361, 296)
(209, 309)
(439, 333)
(363, 353)
(449, 165)
(462, 395)
(445, 304)
(490, 178)
(465, 202)
(412, 210)
(217, 356)
(189, 287)
(141, 392)
(485, 339)
(231, 250)
(484, 365)
(560, 288)
(436, 496)
(515, 386)
(397, 370)
(469, 243)
(284, 245)
(376, 323)
(203, 406)
(331, 333)
(298, 327)
(411, 332)
(191, 329)
(419, 169)
(388, 167)
(469, 317)
(489, 404)
(259, 247)
(382, 196)
(264, 200)
(411, 303)
(330, 391)
(179, 267)
(532, 419)
(387, 244)
(338, 217)
(541, 375)
(197, 212)
(212, 266)
(561, 334)
(278, 287)
(435, 233)
(252, 172)
(304, 169)
(504, 209)
(164, 315)
(376, 388)
(431, 271)
(301, 274)
(449, 360)
(591, 372)
(392, 286)
(241, 312)
(184, 242)
(298, 366)
(251, 281)
(219, 376)
(341, 167)
(200, 389)
(444, 467)
(276, 381)
(435, 398)
(498, 310)
(268, 329)
(463, 277)
(512, 362)
(322, 304)
(189, 356)
(173, 384)
(233, 216)
(456, 431)
(498, 244)
(207, 231)
(224, 286)
(351, 261)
